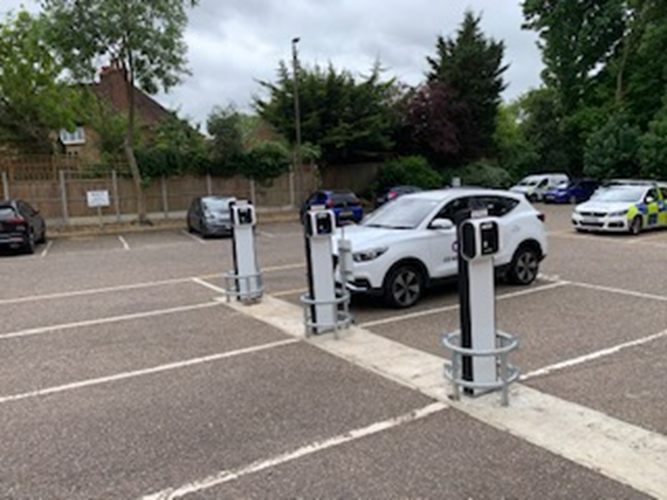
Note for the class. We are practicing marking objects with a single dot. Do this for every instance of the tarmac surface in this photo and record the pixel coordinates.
(125, 374)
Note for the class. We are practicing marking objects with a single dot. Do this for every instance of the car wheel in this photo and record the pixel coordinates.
(636, 225)
(532, 197)
(573, 200)
(525, 266)
(30, 244)
(403, 286)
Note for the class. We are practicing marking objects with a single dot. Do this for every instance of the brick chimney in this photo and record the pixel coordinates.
(113, 81)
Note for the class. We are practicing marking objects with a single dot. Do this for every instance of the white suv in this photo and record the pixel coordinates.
(410, 243)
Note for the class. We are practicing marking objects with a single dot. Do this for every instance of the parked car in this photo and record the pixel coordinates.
(411, 243)
(21, 225)
(210, 216)
(344, 203)
(535, 186)
(394, 192)
(573, 191)
(630, 208)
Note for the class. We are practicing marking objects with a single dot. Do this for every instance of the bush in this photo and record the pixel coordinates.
(407, 170)
(485, 175)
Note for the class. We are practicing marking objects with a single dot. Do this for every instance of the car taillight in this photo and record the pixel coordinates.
(392, 195)
(329, 204)
(15, 221)
(542, 217)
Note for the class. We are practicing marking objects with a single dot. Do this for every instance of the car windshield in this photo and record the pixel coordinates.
(403, 213)
(7, 213)
(564, 184)
(529, 181)
(216, 204)
(620, 193)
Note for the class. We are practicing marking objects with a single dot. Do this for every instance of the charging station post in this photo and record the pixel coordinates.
(322, 305)
(479, 350)
(245, 281)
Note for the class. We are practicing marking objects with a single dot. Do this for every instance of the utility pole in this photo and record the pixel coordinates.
(298, 167)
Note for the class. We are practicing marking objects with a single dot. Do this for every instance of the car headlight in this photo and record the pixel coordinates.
(366, 255)
(618, 213)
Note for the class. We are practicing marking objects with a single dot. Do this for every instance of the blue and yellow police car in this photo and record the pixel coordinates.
(623, 207)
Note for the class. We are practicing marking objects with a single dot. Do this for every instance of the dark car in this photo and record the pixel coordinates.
(210, 216)
(572, 191)
(394, 192)
(344, 203)
(21, 225)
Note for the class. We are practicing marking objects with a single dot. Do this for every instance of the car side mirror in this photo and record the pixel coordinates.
(442, 224)
(650, 199)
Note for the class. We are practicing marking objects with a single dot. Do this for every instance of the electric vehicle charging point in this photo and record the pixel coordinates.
(479, 361)
(245, 281)
(324, 309)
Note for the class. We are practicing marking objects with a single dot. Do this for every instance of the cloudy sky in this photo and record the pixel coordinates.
(234, 43)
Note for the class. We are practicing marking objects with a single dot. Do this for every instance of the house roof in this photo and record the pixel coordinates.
(111, 89)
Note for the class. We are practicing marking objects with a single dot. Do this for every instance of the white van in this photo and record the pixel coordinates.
(534, 186)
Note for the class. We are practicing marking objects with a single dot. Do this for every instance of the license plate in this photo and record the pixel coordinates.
(589, 220)
(346, 214)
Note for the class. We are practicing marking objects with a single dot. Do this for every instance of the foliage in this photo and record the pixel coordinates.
(144, 37)
(516, 154)
(407, 170)
(471, 67)
(34, 99)
(264, 162)
(485, 175)
(653, 148)
(348, 119)
(225, 128)
(440, 123)
(175, 148)
(612, 151)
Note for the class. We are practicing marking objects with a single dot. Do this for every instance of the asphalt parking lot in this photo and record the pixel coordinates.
(126, 375)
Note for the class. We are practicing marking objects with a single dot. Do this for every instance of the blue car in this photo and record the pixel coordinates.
(572, 191)
(344, 203)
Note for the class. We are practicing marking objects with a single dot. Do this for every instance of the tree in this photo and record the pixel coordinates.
(348, 120)
(225, 126)
(653, 147)
(471, 67)
(440, 124)
(612, 151)
(34, 98)
(516, 154)
(145, 37)
(577, 38)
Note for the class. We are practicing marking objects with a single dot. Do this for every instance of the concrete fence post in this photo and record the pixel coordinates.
(253, 192)
(165, 197)
(209, 187)
(5, 184)
(63, 196)
(116, 197)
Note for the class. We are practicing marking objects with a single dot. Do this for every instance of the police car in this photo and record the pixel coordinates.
(625, 207)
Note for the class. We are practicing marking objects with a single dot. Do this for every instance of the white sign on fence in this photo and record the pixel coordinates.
(97, 198)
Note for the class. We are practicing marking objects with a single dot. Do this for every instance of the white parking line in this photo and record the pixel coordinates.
(453, 307)
(47, 248)
(268, 235)
(113, 319)
(592, 356)
(126, 245)
(621, 291)
(92, 291)
(192, 236)
(233, 474)
(146, 371)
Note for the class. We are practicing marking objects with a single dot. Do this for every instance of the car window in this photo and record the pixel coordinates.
(452, 208)
(28, 209)
(402, 213)
(543, 183)
(497, 206)
(216, 204)
(651, 195)
(663, 191)
(342, 198)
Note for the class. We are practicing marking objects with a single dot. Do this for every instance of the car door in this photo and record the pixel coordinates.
(651, 200)
(443, 253)
(36, 220)
(662, 207)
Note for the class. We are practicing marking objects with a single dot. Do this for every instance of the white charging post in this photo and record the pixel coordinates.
(480, 241)
(246, 279)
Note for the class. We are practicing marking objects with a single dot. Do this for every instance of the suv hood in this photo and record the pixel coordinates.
(522, 189)
(367, 238)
